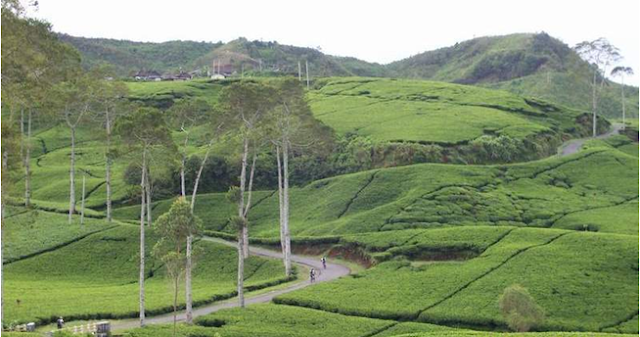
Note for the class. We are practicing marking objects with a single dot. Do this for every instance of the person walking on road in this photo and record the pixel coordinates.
(324, 262)
(312, 275)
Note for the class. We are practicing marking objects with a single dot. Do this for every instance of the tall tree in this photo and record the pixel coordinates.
(621, 71)
(184, 115)
(111, 104)
(600, 54)
(32, 61)
(291, 127)
(245, 105)
(146, 132)
(175, 228)
(239, 223)
(74, 99)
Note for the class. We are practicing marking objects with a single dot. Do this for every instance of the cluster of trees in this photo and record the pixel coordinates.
(43, 79)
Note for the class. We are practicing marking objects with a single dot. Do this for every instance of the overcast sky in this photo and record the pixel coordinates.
(375, 31)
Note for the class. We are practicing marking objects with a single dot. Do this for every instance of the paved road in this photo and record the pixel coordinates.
(574, 145)
(332, 272)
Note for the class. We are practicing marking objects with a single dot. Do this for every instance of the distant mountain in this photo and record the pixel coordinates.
(536, 65)
(240, 55)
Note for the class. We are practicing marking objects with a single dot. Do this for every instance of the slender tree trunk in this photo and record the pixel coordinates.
(5, 168)
(72, 173)
(624, 125)
(148, 194)
(243, 182)
(245, 232)
(22, 134)
(241, 215)
(282, 242)
(240, 268)
(27, 164)
(285, 206)
(108, 166)
(197, 182)
(306, 67)
(594, 101)
(183, 163)
(142, 249)
(189, 298)
(175, 304)
(84, 182)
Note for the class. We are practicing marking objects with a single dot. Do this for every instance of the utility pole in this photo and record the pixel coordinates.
(299, 72)
(306, 67)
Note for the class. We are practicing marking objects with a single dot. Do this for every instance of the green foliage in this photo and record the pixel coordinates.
(129, 57)
(519, 309)
(176, 225)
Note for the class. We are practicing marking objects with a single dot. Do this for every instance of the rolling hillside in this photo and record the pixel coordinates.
(535, 65)
(235, 56)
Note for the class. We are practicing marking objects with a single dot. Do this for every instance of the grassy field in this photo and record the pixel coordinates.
(96, 277)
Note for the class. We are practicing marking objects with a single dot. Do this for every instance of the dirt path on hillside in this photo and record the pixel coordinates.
(574, 145)
(333, 271)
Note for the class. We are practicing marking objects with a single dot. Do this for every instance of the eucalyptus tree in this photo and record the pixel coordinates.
(111, 103)
(147, 134)
(74, 98)
(600, 54)
(32, 61)
(182, 116)
(291, 127)
(245, 106)
(621, 71)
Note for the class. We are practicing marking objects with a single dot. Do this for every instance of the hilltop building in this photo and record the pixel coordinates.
(147, 75)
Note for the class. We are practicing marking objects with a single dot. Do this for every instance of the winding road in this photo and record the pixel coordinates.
(333, 271)
(574, 145)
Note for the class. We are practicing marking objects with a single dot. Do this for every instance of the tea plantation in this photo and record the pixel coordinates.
(554, 192)
(438, 243)
(433, 112)
(95, 275)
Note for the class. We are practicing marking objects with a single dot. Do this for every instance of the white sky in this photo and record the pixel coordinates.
(376, 31)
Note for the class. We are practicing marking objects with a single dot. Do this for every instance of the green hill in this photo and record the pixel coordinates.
(536, 65)
(235, 56)
(553, 192)
(91, 271)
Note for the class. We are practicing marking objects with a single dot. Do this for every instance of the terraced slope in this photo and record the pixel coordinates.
(580, 290)
(96, 275)
(433, 112)
(547, 193)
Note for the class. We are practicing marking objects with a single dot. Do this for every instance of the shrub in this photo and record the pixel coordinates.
(519, 309)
